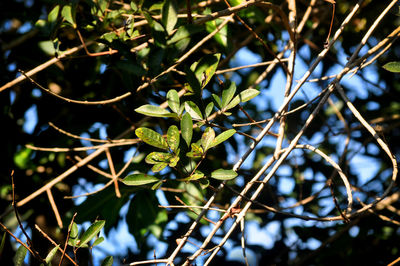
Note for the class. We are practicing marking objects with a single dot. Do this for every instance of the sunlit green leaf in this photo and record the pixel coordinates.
(193, 110)
(209, 109)
(158, 167)
(173, 137)
(217, 100)
(53, 15)
(151, 137)
(248, 94)
(157, 157)
(139, 179)
(66, 13)
(206, 68)
(73, 231)
(20, 256)
(173, 161)
(173, 101)
(154, 111)
(222, 36)
(169, 15)
(222, 174)
(207, 138)
(196, 151)
(51, 254)
(235, 101)
(187, 128)
(228, 94)
(222, 137)
(91, 232)
(22, 158)
(392, 67)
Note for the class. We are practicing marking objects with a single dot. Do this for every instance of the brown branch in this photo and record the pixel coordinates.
(54, 243)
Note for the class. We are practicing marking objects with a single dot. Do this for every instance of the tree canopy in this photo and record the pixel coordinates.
(204, 127)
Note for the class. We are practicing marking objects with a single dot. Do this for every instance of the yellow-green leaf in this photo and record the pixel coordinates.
(173, 137)
(151, 137)
(207, 138)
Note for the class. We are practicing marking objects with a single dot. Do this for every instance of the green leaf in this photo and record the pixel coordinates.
(204, 183)
(66, 13)
(193, 110)
(173, 137)
(222, 36)
(248, 94)
(51, 254)
(209, 109)
(233, 103)
(173, 101)
(392, 67)
(217, 100)
(196, 151)
(91, 232)
(47, 47)
(134, 6)
(98, 241)
(53, 15)
(20, 256)
(184, 32)
(187, 128)
(73, 230)
(108, 261)
(207, 138)
(174, 161)
(154, 111)
(169, 15)
(222, 174)
(151, 137)
(228, 94)
(206, 68)
(222, 137)
(158, 167)
(197, 175)
(22, 158)
(158, 157)
(139, 179)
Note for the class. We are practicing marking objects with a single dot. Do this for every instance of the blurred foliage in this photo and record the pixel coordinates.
(150, 37)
